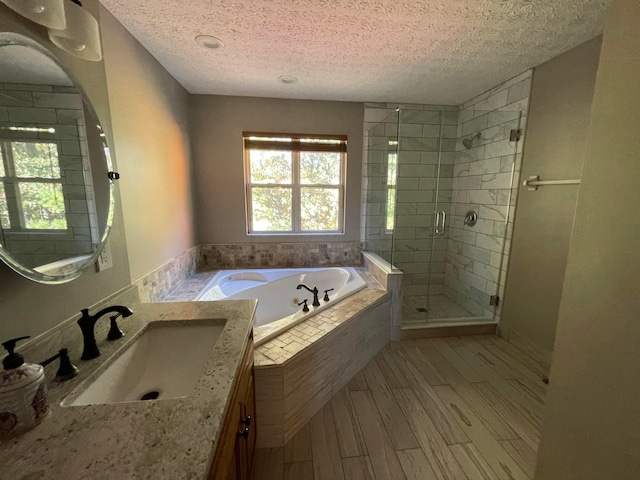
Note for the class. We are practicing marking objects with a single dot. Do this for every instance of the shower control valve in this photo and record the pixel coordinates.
(326, 294)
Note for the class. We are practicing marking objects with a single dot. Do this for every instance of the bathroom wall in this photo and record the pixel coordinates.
(590, 430)
(151, 147)
(559, 117)
(29, 308)
(482, 177)
(217, 123)
(151, 129)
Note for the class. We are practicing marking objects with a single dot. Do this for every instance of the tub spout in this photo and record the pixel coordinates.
(316, 302)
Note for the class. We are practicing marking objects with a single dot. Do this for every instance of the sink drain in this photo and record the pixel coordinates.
(152, 395)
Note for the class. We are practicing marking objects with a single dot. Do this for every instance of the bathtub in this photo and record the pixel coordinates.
(277, 295)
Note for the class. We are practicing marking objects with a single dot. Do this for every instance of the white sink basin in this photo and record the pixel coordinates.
(165, 361)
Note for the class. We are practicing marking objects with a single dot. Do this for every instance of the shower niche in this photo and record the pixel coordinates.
(440, 184)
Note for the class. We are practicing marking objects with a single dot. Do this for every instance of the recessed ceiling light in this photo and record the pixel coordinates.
(209, 41)
(288, 79)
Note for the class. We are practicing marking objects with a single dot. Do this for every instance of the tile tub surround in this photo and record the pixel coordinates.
(391, 279)
(290, 393)
(173, 438)
(299, 371)
(159, 283)
(273, 255)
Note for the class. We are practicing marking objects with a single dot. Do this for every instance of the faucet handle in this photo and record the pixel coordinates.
(114, 331)
(66, 370)
(305, 309)
(326, 294)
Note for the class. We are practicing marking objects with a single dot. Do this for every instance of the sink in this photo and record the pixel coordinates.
(165, 361)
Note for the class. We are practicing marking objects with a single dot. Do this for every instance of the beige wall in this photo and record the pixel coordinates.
(217, 123)
(149, 116)
(29, 308)
(557, 129)
(150, 126)
(591, 429)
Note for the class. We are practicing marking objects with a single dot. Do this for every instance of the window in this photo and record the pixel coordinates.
(295, 183)
(31, 196)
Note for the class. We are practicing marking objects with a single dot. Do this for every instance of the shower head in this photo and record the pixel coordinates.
(468, 142)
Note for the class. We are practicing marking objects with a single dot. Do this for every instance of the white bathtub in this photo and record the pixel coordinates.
(277, 295)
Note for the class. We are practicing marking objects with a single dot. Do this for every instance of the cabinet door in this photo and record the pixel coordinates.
(233, 459)
(250, 408)
(226, 465)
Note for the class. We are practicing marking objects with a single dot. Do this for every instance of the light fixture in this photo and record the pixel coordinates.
(287, 79)
(48, 13)
(209, 41)
(81, 36)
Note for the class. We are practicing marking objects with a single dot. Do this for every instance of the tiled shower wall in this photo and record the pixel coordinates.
(477, 257)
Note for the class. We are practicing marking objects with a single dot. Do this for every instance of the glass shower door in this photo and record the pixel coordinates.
(417, 209)
(455, 189)
(380, 181)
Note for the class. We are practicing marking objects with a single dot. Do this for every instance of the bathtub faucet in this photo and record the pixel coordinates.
(316, 302)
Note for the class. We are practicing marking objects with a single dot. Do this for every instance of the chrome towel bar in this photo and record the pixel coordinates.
(533, 182)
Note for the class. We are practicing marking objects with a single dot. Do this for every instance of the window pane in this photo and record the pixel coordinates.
(391, 208)
(319, 208)
(4, 209)
(319, 168)
(43, 206)
(270, 166)
(35, 159)
(271, 207)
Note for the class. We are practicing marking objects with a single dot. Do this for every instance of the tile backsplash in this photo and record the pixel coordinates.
(157, 284)
(271, 255)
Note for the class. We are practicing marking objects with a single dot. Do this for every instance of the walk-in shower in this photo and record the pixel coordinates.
(425, 170)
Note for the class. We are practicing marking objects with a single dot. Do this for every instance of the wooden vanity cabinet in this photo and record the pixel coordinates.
(233, 458)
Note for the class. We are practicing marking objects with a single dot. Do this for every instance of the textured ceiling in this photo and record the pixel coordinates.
(411, 51)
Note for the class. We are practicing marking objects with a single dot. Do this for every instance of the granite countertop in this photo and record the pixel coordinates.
(163, 439)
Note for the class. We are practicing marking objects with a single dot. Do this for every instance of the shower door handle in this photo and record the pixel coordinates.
(441, 220)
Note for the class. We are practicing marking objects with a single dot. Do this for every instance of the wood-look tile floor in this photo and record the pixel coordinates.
(449, 408)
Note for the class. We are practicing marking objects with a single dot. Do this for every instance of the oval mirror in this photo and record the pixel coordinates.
(56, 199)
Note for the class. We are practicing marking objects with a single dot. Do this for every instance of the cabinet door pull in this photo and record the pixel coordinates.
(246, 421)
(244, 433)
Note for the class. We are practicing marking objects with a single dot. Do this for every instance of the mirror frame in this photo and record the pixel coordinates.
(12, 38)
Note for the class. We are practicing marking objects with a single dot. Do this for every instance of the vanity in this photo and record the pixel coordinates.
(208, 433)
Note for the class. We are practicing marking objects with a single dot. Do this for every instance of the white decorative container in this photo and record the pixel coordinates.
(23, 393)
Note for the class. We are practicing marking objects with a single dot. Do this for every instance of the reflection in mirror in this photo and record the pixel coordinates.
(55, 195)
